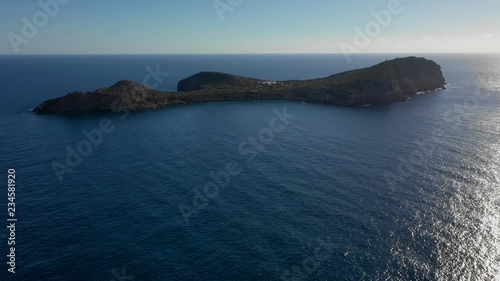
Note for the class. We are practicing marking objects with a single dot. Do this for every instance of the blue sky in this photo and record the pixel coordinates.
(249, 26)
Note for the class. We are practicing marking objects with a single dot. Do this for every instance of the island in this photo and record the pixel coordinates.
(390, 81)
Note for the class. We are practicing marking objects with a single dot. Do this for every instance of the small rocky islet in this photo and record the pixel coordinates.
(390, 81)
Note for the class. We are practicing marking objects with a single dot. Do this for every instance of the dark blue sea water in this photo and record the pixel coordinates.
(404, 191)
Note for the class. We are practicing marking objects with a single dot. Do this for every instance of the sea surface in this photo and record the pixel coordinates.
(403, 191)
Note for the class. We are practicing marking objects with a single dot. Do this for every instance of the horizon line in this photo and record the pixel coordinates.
(156, 54)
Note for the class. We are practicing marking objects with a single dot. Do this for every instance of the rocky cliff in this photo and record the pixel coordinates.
(389, 81)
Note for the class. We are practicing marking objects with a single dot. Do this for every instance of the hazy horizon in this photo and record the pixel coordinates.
(248, 27)
(222, 54)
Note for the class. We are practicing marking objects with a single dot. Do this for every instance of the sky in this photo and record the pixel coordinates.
(248, 26)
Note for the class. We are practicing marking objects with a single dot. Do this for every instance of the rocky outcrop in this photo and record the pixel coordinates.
(389, 81)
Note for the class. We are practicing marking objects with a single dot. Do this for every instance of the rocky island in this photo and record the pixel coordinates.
(390, 81)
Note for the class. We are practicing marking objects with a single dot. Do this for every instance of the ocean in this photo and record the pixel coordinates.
(251, 190)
